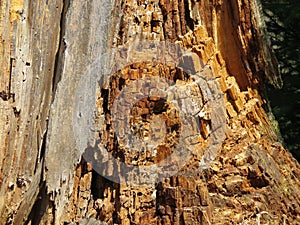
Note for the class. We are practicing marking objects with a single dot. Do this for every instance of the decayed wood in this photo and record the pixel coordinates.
(46, 49)
(29, 41)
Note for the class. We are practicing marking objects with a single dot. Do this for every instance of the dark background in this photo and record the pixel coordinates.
(282, 19)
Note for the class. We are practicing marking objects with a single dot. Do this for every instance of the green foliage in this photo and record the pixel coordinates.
(283, 24)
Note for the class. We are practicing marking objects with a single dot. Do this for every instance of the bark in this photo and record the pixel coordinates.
(217, 61)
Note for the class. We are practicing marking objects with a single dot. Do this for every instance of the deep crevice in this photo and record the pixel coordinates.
(61, 48)
(98, 187)
(189, 21)
(42, 151)
(43, 148)
(39, 209)
(105, 94)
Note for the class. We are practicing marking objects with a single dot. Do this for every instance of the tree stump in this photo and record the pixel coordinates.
(140, 112)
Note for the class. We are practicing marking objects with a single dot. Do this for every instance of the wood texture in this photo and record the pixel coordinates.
(47, 47)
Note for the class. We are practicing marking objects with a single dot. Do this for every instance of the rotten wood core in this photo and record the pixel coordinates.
(47, 47)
